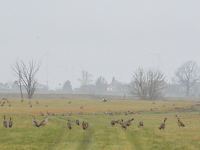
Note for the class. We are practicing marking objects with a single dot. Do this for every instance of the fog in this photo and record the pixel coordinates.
(106, 38)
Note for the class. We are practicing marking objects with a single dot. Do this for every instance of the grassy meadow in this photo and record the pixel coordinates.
(100, 135)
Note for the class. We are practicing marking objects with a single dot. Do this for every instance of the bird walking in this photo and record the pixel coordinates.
(162, 125)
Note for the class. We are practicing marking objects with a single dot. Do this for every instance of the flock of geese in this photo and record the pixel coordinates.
(124, 125)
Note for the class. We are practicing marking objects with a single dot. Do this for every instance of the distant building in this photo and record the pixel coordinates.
(117, 88)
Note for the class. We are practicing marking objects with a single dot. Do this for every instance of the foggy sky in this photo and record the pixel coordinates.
(106, 38)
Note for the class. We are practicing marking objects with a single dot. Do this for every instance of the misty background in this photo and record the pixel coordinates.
(106, 38)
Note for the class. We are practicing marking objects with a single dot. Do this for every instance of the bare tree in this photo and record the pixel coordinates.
(26, 76)
(147, 85)
(86, 78)
(187, 75)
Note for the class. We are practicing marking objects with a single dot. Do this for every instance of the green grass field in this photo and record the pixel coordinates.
(100, 135)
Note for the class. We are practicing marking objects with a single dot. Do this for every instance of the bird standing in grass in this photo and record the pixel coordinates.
(69, 125)
(10, 123)
(4, 122)
(85, 125)
(162, 125)
(180, 124)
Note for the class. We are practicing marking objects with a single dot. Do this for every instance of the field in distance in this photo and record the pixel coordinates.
(100, 135)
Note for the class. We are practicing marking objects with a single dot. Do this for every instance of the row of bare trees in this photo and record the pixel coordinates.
(145, 84)
(150, 85)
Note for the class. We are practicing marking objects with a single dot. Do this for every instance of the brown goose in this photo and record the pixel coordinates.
(85, 125)
(10, 123)
(180, 124)
(162, 125)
